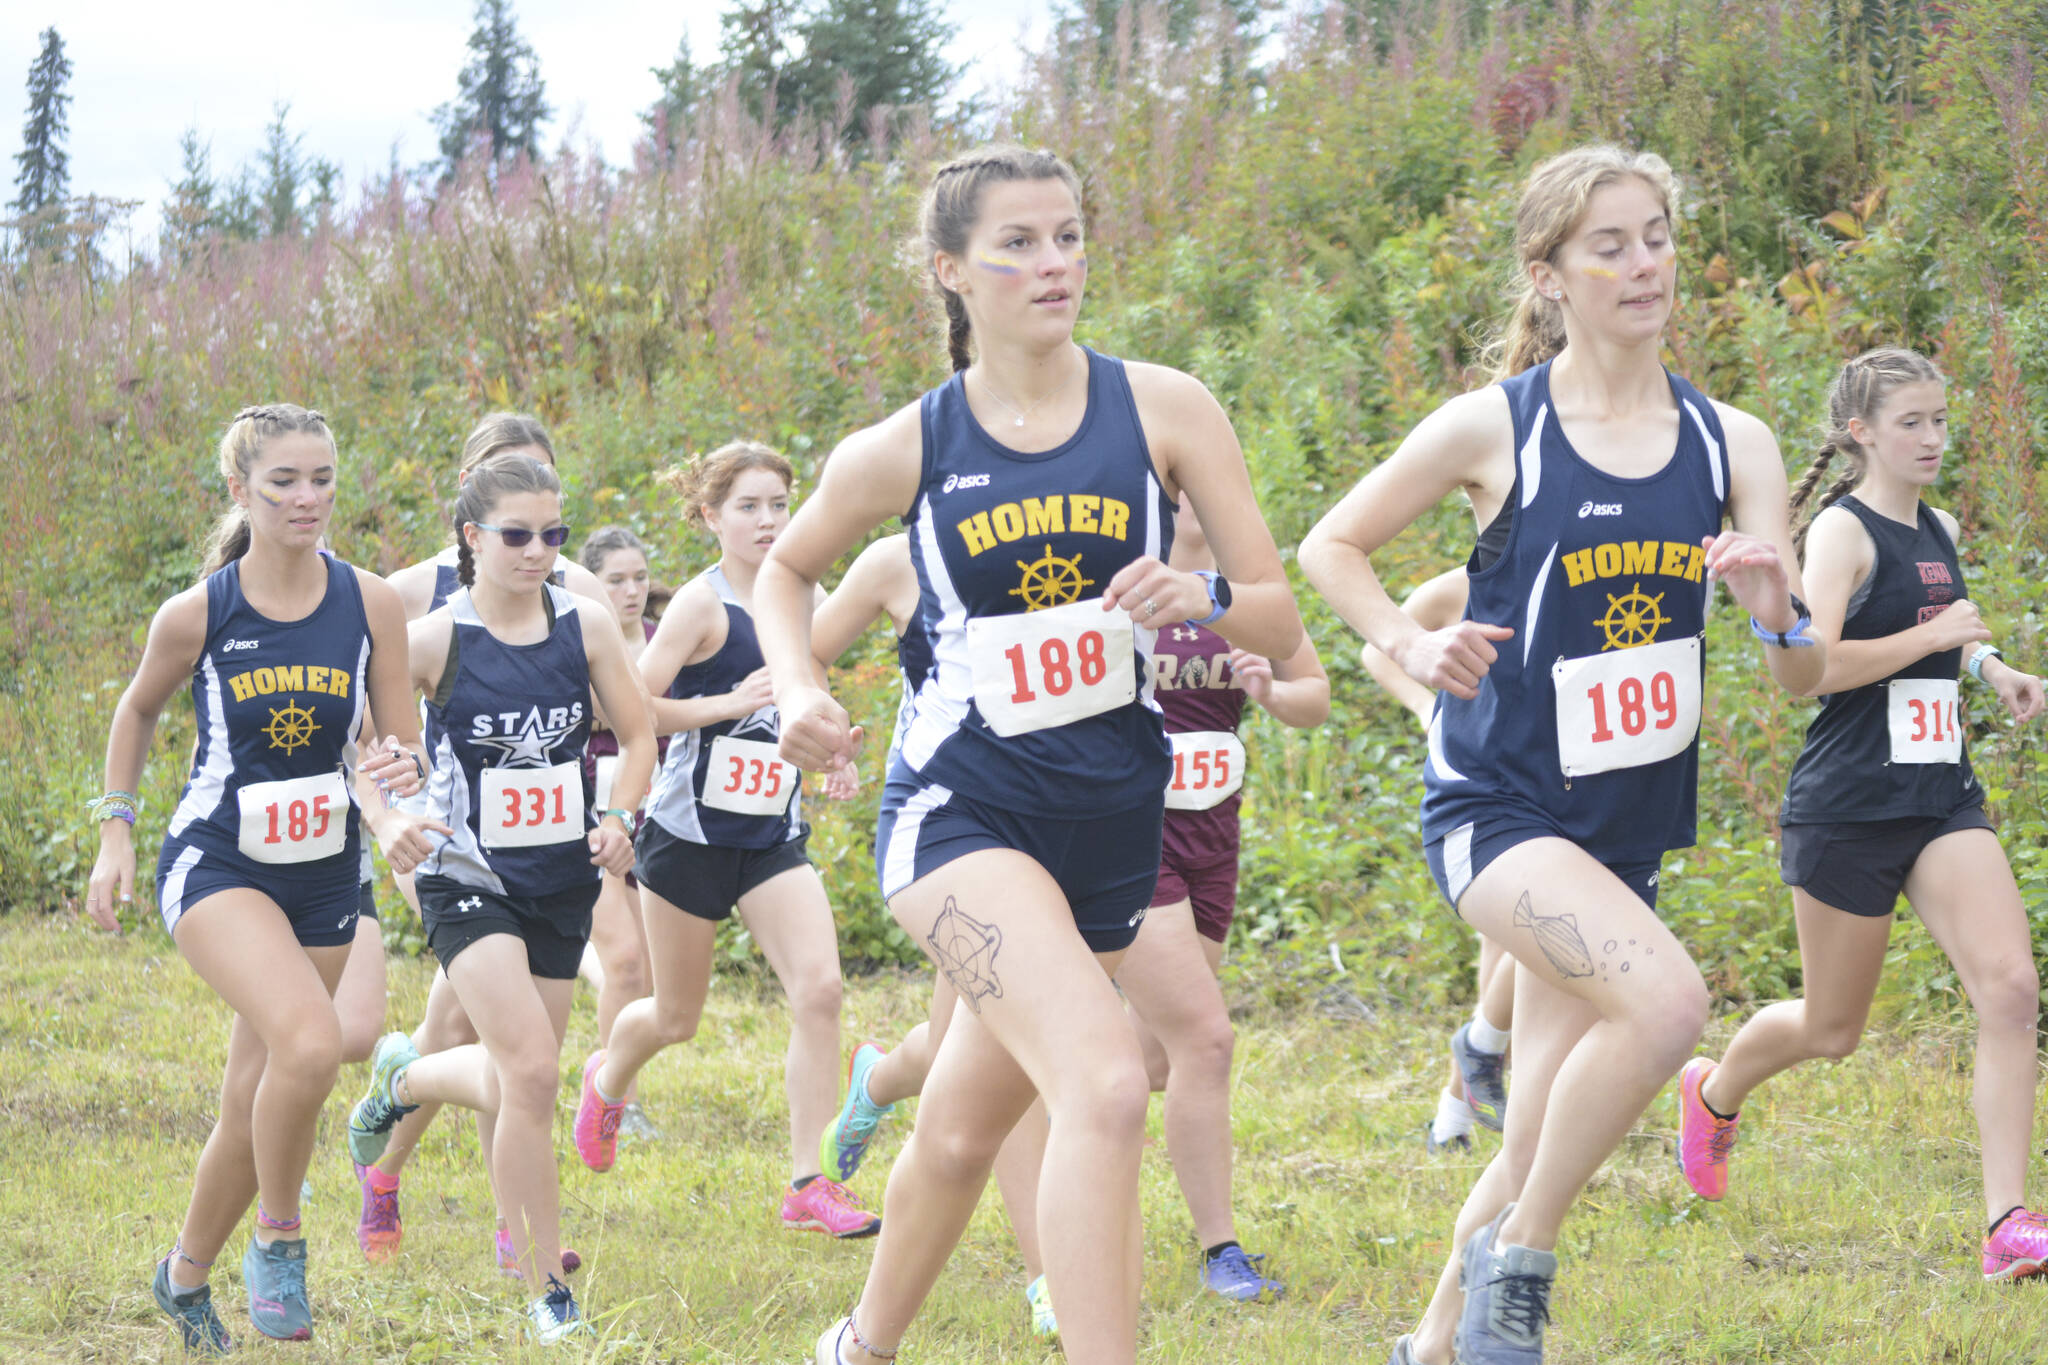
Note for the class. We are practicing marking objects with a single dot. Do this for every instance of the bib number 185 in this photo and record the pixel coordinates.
(296, 820)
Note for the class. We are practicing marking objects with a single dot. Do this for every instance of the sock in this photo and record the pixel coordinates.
(1999, 1221)
(1484, 1036)
(799, 1184)
(378, 1181)
(179, 1288)
(598, 1086)
(1725, 1118)
(1213, 1252)
(1453, 1118)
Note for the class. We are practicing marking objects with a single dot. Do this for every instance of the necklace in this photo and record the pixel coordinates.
(1021, 413)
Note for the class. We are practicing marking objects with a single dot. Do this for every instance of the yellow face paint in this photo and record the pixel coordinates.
(273, 499)
(1601, 272)
(1001, 265)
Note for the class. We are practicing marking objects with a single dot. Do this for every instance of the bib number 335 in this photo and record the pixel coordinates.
(1053, 667)
(1627, 708)
(748, 777)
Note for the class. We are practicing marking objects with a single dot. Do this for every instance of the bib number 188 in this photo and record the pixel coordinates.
(1056, 670)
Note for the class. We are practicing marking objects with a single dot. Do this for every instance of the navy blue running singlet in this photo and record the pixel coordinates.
(1589, 720)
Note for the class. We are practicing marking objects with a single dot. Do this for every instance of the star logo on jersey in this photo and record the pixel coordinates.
(766, 723)
(529, 745)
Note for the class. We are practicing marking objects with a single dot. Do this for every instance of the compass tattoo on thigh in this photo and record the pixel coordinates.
(965, 950)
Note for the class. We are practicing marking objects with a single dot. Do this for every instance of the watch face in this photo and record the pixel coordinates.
(1219, 587)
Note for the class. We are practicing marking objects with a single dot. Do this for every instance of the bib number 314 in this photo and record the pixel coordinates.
(1053, 667)
(525, 807)
(1627, 708)
(1923, 719)
(297, 820)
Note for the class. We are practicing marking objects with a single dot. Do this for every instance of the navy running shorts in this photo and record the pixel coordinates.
(1861, 866)
(1458, 858)
(707, 880)
(322, 913)
(553, 927)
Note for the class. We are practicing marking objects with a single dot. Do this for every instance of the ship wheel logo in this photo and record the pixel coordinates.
(1632, 619)
(1050, 581)
(290, 728)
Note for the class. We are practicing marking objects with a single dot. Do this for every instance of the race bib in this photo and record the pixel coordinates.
(748, 777)
(1628, 707)
(1053, 667)
(607, 773)
(1208, 768)
(297, 820)
(525, 807)
(1925, 724)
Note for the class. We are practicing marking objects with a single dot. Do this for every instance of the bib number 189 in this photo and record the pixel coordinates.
(1630, 711)
(1627, 707)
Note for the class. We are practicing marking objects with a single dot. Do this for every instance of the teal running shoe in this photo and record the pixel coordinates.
(198, 1324)
(370, 1122)
(1044, 1325)
(275, 1277)
(847, 1137)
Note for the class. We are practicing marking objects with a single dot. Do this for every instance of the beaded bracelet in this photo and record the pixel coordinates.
(114, 806)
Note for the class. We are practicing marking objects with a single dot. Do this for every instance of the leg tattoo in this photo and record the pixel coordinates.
(965, 950)
(1558, 936)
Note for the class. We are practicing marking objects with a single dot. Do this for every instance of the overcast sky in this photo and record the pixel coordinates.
(361, 76)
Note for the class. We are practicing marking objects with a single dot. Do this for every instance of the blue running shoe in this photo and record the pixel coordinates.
(1044, 1325)
(370, 1122)
(275, 1277)
(847, 1137)
(1507, 1300)
(1404, 1352)
(192, 1310)
(1486, 1088)
(1232, 1274)
(554, 1315)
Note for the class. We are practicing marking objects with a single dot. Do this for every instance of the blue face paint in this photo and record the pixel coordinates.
(1001, 265)
(273, 499)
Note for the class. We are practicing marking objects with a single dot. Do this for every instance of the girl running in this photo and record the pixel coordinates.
(508, 666)
(1038, 485)
(423, 587)
(259, 876)
(1169, 974)
(1882, 799)
(1563, 755)
(618, 560)
(1476, 1088)
(725, 828)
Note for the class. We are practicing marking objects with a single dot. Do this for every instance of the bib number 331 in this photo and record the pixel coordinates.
(1053, 667)
(1923, 721)
(297, 820)
(525, 807)
(1627, 708)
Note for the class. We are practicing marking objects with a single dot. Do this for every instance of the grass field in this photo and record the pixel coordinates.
(1850, 1234)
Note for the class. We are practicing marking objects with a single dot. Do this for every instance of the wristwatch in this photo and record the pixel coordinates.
(1219, 595)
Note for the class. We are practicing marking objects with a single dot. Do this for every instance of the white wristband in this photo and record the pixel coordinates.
(1978, 657)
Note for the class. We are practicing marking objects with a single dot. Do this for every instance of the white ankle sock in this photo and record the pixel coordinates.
(1484, 1036)
(1453, 1118)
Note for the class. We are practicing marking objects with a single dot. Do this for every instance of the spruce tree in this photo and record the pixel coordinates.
(890, 51)
(501, 100)
(44, 174)
(683, 84)
(282, 165)
(189, 209)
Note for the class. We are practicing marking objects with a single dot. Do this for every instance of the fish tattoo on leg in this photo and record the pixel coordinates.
(1559, 938)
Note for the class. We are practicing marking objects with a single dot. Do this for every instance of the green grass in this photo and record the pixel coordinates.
(1850, 1235)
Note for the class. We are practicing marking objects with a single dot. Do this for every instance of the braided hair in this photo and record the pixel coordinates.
(952, 206)
(1858, 393)
(240, 444)
(488, 484)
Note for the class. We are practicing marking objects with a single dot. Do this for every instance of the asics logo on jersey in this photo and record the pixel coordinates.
(230, 646)
(954, 481)
(1599, 509)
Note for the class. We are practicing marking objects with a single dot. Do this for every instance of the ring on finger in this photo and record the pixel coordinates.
(1151, 609)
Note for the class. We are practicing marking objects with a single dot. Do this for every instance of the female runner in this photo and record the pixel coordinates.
(1882, 799)
(258, 881)
(1563, 758)
(725, 828)
(618, 560)
(1019, 833)
(508, 666)
(1476, 1087)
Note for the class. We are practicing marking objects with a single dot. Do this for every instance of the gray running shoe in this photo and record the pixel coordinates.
(1404, 1351)
(1507, 1300)
(275, 1277)
(634, 1123)
(371, 1121)
(192, 1310)
(1486, 1087)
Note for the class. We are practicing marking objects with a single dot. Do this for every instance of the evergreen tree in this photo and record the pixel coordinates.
(754, 45)
(282, 167)
(683, 84)
(889, 51)
(1096, 21)
(44, 176)
(189, 210)
(501, 100)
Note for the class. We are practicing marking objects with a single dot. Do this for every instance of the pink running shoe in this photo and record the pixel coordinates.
(378, 1231)
(2018, 1249)
(825, 1205)
(597, 1123)
(1704, 1139)
(571, 1262)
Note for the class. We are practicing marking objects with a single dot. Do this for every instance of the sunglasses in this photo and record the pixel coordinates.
(516, 536)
